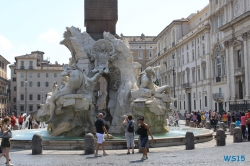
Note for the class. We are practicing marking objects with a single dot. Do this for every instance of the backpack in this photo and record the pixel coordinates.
(130, 127)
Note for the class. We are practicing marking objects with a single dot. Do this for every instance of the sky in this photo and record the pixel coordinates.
(31, 25)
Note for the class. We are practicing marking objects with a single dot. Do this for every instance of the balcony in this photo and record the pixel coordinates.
(3, 94)
(239, 71)
(218, 79)
(31, 67)
(218, 96)
(22, 67)
(186, 85)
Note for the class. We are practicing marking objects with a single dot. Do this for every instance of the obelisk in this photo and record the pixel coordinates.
(100, 16)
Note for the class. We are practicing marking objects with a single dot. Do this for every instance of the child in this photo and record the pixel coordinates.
(237, 123)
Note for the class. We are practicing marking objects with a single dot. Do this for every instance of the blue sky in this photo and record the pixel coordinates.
(30, 25)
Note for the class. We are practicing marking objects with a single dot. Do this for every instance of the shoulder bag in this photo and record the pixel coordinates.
(7, 135)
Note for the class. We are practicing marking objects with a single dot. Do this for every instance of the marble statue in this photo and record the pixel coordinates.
(72, 108)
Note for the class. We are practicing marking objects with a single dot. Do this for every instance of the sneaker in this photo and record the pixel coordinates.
(105, 154)
(9, 164)
(143, 158)
(97, 155)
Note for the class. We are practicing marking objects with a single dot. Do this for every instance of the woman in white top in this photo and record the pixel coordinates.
(129, 133)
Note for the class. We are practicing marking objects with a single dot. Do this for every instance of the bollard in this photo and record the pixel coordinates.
(208, 125)
(89, 143)
(37, 144)
(232, 126)
(139, 144)
(220, 137)
(222, 126)
(191, 124)
(189, 140)
(237, 135)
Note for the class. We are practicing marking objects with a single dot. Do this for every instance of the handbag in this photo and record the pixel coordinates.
(7, 135)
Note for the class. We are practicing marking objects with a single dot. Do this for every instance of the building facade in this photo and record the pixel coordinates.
(204, 57)
(142, 48)
(32, 78)
(4, 84)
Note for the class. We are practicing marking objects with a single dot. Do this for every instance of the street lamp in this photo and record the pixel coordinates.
(26, 96)
(173, 67)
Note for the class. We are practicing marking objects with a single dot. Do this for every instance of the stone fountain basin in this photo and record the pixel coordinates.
(23, 139)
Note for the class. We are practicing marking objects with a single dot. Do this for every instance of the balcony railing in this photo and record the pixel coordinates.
(31, 67)
(218, 96)
(239, 71)
(218, 79)
(22, 67)
(186, 85)
(3, 94)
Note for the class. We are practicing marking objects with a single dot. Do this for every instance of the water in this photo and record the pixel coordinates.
(28, 134)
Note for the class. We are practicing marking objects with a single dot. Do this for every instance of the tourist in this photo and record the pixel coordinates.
(238, 114)
(213, 120)
(237, 122)
(30, 123)
(143, 131)
(248, 123)
(20, 121)
(207, 116)
(194, 117)
(188, 117)
(177, 119)
(224, 118)
(243, 125)
(13, 120)
(129, 133)
(203, 119)
(5, 144)
(33, 122)
(233, 117)
(229, 118)
(100, 129)
(198, 119)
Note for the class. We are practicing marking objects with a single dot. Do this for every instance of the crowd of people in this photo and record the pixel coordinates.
(241, 119)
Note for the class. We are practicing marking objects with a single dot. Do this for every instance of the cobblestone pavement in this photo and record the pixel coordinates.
(203, 154)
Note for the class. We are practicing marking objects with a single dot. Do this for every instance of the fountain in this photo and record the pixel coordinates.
(71, 108)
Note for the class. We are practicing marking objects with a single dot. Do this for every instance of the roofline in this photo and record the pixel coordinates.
(5, 59)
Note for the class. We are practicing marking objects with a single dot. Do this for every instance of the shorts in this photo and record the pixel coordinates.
(187, 118)
(20, 123)
(100, 138)
(144, 141)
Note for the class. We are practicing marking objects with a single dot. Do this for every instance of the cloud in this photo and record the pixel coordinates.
(50, 36)
(5, 44)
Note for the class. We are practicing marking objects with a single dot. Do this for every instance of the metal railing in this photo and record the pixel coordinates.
(186, 85)
(218, 96)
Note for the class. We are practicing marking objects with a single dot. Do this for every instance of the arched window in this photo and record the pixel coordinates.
(218, 65)
(187, 57)
(203, 49)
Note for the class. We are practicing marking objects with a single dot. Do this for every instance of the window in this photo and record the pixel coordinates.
(22, 75)
(204, 73)
(21, 107)
(14, 100)
(217, 65)
(199, 74)
(14, 79)
(22, 64)
(187, 46)
(30, 75)
(216, 2)
(22, 97)
(22, 84)
(38, 97)
(239, 58)
(31, 64)
(184, 105)
(182, 59)
(187, 57)
(223, 66)
(38, 75)
(38, 84)
(200, 104)
(192, 43)
(30, 108)
(218, 21)
(194, 95)
(203, 49)
(205, 101)
(194, 104)
(193, 75)
(2, 65)
(30, 84)
(150, 54)
(193, 55)
(198, 50)
(180, 105)
(14, 88)
(30, 97)
(55, 74)
(38, 106)
(139, 54)
(47, 74)
(46, 84)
